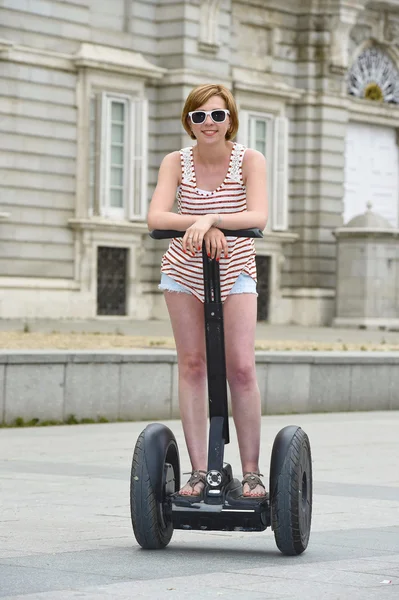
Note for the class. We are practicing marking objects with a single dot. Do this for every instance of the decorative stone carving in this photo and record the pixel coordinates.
(339, 48)
(374, 76)
(360, 33)
(340, 25)
(379, 26)
(209, 24)
(382, 26)
(340, 28)
(391, 30)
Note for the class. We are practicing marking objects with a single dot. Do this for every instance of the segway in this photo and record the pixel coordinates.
(156, 506)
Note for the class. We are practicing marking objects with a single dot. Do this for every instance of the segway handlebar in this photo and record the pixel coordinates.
(163, 234)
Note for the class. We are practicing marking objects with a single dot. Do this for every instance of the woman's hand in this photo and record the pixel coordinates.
(193, 238)
(216, 243)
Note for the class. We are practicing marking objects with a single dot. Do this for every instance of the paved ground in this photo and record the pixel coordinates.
(125, 333)
(65, 528)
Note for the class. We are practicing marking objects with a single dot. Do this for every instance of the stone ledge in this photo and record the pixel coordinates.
(142, 384)
(93, 56)
(328, 357)
(149, 355)
(108, 225)
(86, 356)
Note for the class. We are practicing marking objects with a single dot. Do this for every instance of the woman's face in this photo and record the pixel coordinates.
(210, 132)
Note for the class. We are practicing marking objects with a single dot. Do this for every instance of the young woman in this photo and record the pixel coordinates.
(220, 185)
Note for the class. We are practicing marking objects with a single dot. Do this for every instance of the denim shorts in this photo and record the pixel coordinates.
(244, 285)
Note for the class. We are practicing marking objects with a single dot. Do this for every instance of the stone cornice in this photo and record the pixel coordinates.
(291, 292)
(189, 77)
(365, 232)
(245, 80)
(106, 58)
(35, 56)
(358, 109)
(317, 99)
(107, 225)
(93, 56)
(140, 227)
(372, 112)
(277, 237)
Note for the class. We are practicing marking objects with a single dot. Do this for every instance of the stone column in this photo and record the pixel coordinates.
(317, 163)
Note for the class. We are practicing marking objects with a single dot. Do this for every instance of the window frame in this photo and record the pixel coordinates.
(106, 209)
(273, 153)
(134, 194)
(246, 131)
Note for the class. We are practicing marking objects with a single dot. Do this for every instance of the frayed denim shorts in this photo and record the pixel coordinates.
(244, 285)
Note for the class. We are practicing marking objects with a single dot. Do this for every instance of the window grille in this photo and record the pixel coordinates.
(263, 286)
(112, 275)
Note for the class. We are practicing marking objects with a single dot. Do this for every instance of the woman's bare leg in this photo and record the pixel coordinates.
(240, 324)
(187, 318)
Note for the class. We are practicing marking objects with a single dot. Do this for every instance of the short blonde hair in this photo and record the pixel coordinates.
(201, 94)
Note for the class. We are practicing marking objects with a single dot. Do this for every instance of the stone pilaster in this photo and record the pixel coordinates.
(318, 131)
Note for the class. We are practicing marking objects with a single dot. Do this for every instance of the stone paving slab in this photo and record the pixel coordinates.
(65, 530)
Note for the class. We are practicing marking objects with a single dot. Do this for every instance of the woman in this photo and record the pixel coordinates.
(220, 185)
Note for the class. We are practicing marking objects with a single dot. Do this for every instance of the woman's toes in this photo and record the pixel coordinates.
(257, 492)
(187, 490)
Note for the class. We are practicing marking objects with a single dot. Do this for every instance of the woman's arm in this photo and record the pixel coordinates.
(254, 175)
(159, 213)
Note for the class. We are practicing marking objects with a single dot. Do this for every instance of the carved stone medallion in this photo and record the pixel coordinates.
(374, 76)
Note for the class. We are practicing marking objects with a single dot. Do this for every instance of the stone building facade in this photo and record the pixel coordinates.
(90, 100)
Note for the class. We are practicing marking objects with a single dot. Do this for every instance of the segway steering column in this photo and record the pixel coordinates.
(215, 357)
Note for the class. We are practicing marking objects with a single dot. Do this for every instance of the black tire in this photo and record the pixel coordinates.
(151, 520)
(291, 503)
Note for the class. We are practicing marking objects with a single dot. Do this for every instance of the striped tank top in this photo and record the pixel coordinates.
(229, 197)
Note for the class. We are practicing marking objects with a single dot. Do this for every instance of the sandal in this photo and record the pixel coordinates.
(196, 477)
(252, 480)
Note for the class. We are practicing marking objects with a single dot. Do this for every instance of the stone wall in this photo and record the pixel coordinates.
(142, 384)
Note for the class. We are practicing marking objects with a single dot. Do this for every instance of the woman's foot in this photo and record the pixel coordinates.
(252, 486)
(195, 485)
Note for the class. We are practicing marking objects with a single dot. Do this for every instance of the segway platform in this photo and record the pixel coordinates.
(228, 511)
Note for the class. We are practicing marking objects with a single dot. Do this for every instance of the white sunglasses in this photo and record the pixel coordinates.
(218, 116)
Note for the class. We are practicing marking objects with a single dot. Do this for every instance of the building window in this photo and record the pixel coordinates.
(269, 135)
(116, 148)
(258, 128)
(118, 157)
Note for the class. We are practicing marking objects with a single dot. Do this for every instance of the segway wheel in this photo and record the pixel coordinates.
(291, 490)
(155, 476)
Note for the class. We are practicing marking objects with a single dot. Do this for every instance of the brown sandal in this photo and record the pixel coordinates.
(252, 480)
(197, 476)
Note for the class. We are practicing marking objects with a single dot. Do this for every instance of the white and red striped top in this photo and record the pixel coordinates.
(229, 197)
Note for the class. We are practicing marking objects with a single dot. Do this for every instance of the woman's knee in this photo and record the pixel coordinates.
(192, 367)
(242, 375)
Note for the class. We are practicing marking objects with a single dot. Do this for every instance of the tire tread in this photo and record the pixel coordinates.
(148, 529)
(285, 504)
